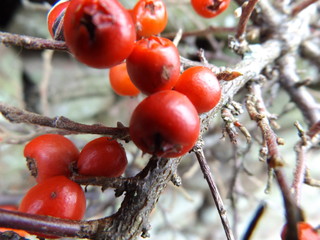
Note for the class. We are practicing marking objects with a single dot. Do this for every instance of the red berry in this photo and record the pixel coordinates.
(50, 155)
(154, 65)
(209, 8)
(305, 232)
(121, 82)
(102, 157)
(55, 19)
(165, 124)
(150, 17)
(99, 33)
(201, 86)
(57, 197)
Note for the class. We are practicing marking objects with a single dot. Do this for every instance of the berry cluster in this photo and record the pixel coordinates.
(52, 159)
(102, 34)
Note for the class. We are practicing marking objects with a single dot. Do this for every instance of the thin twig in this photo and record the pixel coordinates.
(49, 225)
(301, 6)
(214, 191)
(302, 174)
(275, 162)
(210, 29)
(307, 104)
(311, 50)
(311, 181)
(231, 123)
(229, 127)
(255, 220)
(293, 212)
(32, 43)
(120, 184)
(245, 16)
(17, 115)
(314, 130)
(301, 149)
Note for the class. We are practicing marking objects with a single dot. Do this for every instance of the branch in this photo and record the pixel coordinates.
(231, 123)
(301, 149)
(301, 174)
(246, 13)
(314, 130)
(206, 31)
(255, 220)
(293, 213)
(214, 191)
(311, 51)
(311, 181)
(308, 106)
(32, 43)
(301, 6)
(16, 115)
(120, 184)
(132, 217)
(46, 225)
(258, 113)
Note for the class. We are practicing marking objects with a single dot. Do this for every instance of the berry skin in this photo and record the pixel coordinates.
(121, 82)
(150, 17)
(102, 157)
(305, 232)
(201, 86)
(210, 8)
(99, 33)
(50, 155)
(57, 197)
(55, 19)
(165, 124)
(154, 65)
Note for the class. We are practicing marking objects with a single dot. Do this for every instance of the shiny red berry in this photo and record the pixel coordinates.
(121, 82)
(99, 33)
(102, 157)
(154, 65)
(201, 86)
(165, 124)
(50, 155)
(150, 17)
(210, 8)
